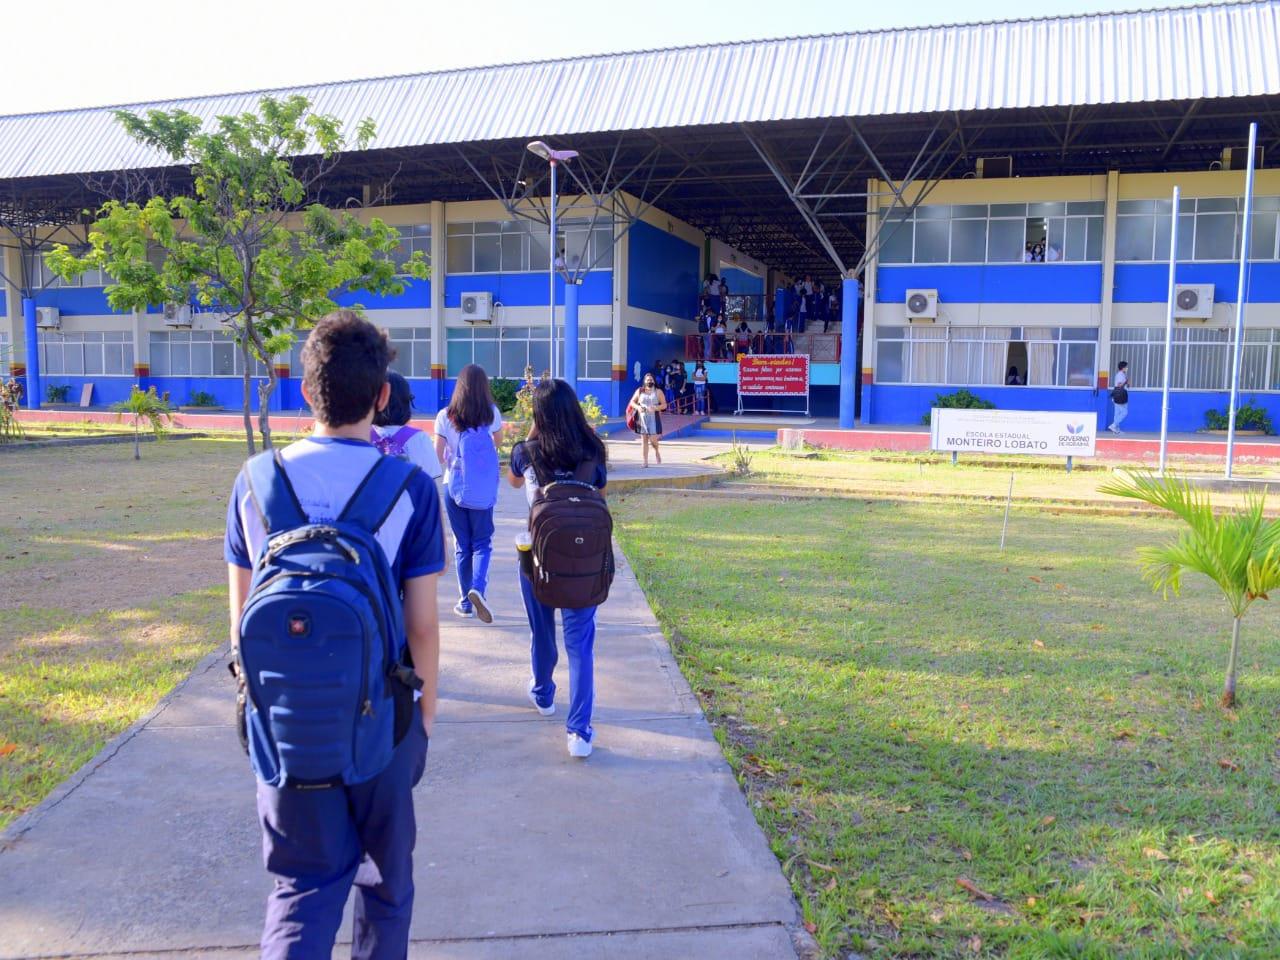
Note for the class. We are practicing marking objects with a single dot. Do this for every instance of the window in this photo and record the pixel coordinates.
(1209, 228)
(413, 239)
(506, 351)
(5, 352)
(413, 350)
(981, 356)
(43, 278)
(88, 353)
(1201, 358)
(995, 233)
(198, 353)
(520, 246)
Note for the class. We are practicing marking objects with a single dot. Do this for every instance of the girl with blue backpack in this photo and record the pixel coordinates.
(466, 443)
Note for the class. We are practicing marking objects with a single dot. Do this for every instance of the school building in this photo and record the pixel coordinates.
(983, 197)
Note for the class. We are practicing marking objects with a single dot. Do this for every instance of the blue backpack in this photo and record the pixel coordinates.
(321, 661)
(474, 481)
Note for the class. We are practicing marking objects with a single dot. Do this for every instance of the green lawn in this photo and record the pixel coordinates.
(956, 752)
(113, 587)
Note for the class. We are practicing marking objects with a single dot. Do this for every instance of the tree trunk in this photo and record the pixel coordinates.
(137, 445)
(264, 407)
(248, 398)
(1229, 687)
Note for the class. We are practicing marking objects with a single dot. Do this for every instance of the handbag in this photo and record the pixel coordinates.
(632, 421)
(1120, 395)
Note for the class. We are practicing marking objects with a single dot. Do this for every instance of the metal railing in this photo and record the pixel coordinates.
(818, 347)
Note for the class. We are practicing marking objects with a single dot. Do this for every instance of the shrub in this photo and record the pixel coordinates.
(960, 400)
(55, 393)
(504, 393)
(592, 410)
(1249, 416)
(202, 398)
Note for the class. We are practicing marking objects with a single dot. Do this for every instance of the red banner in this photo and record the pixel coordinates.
(773, 375)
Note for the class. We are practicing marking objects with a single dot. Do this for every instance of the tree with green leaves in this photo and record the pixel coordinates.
(1238, 550)
(149, 406)
(251, 242)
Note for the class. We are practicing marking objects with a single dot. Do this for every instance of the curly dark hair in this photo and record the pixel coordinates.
(344, 365)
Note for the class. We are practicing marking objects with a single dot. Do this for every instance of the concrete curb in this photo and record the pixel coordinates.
(14, 832)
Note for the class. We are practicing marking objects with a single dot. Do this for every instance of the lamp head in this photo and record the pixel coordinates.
(540, 149)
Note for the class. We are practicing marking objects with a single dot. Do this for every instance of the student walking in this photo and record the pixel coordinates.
(648, 404)
(393, 436)
(466, 443)
(1120, 396)
(563, 451)
(320, 633)
(700, 387)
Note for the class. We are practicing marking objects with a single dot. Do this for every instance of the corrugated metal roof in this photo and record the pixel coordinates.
(1210, 51)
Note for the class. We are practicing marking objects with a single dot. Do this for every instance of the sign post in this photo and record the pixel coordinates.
(772, 375)
(1039, 433)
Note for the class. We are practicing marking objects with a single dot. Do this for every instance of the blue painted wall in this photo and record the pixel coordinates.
(995, 282)
(890, 403)
(742, 282)
(1149, 282)
(75, 301)
(662, 272)
(417, 293)
(526, 289)
(106, 390)
(648, 347)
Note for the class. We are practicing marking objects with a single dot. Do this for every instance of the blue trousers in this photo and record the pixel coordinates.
(472, 547)
(317, 843)
(579, 645)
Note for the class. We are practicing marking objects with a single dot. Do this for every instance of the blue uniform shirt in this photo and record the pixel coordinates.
(325, 472)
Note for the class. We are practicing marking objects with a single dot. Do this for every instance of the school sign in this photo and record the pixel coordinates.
(1046, 433)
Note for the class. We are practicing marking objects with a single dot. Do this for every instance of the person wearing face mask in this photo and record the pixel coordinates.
(648, 403)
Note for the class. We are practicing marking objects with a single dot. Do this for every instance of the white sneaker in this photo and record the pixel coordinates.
(460, 611)
(480, 605)
(1113, 428)
(545, 711)
(579, 747)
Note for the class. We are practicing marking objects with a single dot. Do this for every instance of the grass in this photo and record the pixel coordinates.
(956, 752)
(111, 637)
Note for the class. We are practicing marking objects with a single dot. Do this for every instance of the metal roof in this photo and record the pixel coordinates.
(1212, 51)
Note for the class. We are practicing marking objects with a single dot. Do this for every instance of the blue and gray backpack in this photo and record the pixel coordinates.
(325, 688)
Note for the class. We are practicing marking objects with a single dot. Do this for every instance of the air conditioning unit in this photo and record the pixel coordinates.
(1237, 158)
(49, 318)
(177, 315)
(477, 307)
(991, 168)
(1193, 301)
(922, 305)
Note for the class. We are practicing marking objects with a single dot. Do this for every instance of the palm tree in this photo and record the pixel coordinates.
(1238, 550)
(145, 405)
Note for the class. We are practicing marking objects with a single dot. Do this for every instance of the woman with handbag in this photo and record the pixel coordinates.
(1120, 396)
(644, 416)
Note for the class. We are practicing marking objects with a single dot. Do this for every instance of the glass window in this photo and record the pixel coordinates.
(1076, 246)
(602, 248)
(896, 240)
(1135, 237)
(968, 241)
(1263, 237)
(1135, 206)
(1216, 205)
(889, 361)
(458, 254)
(513, 260)
(488, 253)
(969, 211)
(1006, 241)
(1215, 236)
(1087, 208)
(932, 241)
(1046, 209)
(1018, 210)
(1093, 239)
(458, 229)
(933, 212)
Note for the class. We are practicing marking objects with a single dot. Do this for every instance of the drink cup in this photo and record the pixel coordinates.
(524, 550)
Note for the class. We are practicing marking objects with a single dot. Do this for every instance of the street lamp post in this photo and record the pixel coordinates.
(554, 158)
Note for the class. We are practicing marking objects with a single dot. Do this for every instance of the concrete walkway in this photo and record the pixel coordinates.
(645, 850)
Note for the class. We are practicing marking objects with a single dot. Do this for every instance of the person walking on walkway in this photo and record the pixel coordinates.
(561, 447)
(335, 783)
(648, 404)
(393, 436)
(1120, 396)
(466, 443)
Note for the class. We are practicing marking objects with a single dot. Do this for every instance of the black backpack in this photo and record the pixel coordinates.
(572, 540)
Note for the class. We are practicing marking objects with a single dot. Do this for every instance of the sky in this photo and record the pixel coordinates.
(61, 54)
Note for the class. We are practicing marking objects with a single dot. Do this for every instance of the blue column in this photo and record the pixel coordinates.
(850, 294)
(571, 291)
(33, 353)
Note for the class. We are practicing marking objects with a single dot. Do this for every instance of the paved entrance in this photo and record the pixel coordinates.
(646, 850)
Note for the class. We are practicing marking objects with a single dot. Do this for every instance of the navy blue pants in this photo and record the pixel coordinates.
(472, 547)
(317, 843)
(579, 645)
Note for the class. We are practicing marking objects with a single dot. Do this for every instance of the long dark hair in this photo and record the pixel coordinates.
(399, 406)
(472, 402)
(564, 438)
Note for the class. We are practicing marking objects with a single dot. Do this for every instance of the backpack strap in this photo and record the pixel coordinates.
(378, 493)
(272, 493)
(404, 435)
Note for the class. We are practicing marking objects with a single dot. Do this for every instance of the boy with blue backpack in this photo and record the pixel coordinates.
(466, 443)
(333, 552)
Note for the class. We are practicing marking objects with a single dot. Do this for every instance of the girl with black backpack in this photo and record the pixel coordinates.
(564, 452)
